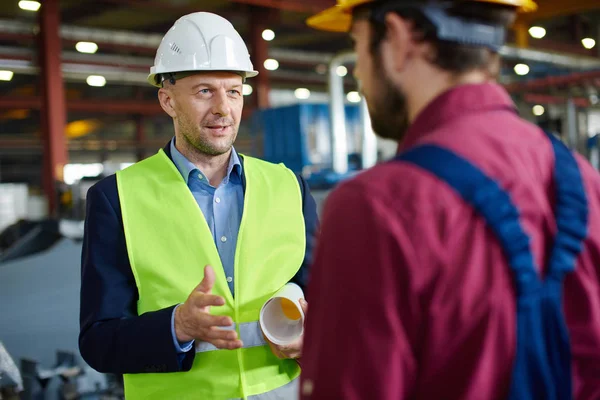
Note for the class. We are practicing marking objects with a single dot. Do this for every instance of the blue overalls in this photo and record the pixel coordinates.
(542, 368)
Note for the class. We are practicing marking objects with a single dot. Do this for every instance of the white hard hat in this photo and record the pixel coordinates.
(200, 42)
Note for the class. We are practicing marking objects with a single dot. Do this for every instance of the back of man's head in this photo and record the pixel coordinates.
(456, 57)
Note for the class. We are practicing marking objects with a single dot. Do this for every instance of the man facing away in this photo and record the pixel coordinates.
(468, 267)
(182, 249)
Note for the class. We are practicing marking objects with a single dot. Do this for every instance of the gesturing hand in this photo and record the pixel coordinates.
(193, 320)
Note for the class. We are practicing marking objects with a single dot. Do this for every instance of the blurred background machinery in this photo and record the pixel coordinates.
(75, 107)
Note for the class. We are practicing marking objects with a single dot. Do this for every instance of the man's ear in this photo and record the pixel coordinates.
(165, 97)
(398, 46)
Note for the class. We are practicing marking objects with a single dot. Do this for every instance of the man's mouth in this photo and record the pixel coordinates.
(218, 128)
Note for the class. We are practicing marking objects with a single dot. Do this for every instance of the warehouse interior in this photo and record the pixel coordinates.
(75, 107)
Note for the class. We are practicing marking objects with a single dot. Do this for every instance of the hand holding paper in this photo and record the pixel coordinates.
(282, 321)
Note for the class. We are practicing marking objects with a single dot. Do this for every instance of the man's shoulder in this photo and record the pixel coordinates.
(269, 167)
(396, 189)
(255, 161)
(392, 180)
(106, 187)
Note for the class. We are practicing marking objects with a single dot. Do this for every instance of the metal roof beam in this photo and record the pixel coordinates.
(304, 6)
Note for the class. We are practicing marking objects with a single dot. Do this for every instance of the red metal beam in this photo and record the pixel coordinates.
(537, 98)
(88, 105)
(305, 7)
(103, 46)
(157, 6)
(553, 81)
(107, 106)
(16, 37)
(553, 8)
(116, 107)
(54, 112)
(562, 47)
(15, 103)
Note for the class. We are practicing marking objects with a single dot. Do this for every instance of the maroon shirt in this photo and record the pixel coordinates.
(410, 294)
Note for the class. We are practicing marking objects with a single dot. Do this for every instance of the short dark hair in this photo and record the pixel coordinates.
(449, 56)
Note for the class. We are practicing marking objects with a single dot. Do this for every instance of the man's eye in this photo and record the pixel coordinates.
(204, 91)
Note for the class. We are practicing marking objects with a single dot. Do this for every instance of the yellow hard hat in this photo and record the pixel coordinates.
(339, 17)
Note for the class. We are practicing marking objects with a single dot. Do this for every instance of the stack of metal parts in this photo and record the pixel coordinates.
(68, 379)
(11, 383)
(39, 291)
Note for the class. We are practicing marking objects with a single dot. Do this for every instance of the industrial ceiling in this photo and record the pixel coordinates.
(127, 32)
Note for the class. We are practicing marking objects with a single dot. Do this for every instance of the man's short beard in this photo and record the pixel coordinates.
(388, 111)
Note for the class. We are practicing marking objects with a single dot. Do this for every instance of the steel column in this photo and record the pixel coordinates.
(369, 140)
(53, 101)
(570, 123)
(339, 136)
(521, 34)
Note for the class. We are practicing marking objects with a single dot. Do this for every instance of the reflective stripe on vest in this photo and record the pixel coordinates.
(542, 366)
(169, 243)
(250, 334)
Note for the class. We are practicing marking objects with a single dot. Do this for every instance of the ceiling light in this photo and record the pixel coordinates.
(538, 110)
(302, 93)
(268, 35)
(353, 97)
(247, 90)
(96, 80)
(29, 5)
(271, 64)
(537, 32)
(521, 69)
(588, 43)
(6, 75)
(86, 47)
(341, 71)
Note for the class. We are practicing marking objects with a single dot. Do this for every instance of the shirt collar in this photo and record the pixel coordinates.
(457, 102)
(186, 167)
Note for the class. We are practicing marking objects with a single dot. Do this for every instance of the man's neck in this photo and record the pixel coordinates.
(213, 167)
(435, 85)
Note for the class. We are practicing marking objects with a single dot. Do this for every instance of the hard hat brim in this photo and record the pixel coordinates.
(339, 17)
(153, 78)
(334, 19)
(522, 6)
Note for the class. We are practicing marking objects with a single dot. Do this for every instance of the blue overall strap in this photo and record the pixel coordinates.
(542, 367)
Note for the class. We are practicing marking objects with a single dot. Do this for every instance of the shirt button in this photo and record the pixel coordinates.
(307, 387)
(229, 279)
(218, 200)
(200, 176)
(223, 239)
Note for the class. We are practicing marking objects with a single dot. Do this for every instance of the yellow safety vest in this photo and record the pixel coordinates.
(169, 243)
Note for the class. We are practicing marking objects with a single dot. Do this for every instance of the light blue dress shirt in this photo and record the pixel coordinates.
(222, 207)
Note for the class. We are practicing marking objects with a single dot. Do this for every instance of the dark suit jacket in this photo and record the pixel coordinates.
(113, 338)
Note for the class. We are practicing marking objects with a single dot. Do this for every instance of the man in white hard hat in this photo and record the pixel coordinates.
(182, 249)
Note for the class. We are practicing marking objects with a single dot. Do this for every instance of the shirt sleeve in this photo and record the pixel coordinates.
(357, 345)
